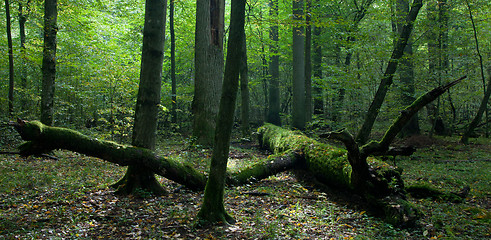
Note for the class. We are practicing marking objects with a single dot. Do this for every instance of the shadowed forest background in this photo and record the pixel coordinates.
(318, 67)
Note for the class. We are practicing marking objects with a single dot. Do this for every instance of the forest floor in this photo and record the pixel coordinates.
(70, 198)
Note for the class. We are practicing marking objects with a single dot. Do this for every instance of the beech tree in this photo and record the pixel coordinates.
(213, 210)
(274, 71)
(49, 61)
(298, 81)
(139, 177)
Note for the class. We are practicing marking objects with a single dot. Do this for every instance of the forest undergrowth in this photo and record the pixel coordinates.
(70, 197)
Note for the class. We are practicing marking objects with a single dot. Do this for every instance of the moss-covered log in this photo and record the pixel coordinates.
(330, 165)
(42, 139)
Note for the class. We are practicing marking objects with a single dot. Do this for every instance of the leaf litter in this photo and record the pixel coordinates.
(71, 198)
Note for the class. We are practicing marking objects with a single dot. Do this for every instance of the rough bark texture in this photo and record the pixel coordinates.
(274, 68)
(386, 81)
(208, 68)
(213, 210)
(139, 178)
(49, 61)
(298, 81)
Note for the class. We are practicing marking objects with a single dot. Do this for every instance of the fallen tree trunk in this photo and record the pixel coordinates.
(42, 139)
(330, 165)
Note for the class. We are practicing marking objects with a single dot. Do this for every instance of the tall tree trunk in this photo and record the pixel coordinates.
(317, 69)
(274, 67)
(173, 62)
(244, 92)
(406, 70)
(386, 81)
(208, 63)
(213, 210)
(23, 72)
(49, 61)
(298, 81)
(11, 59)
(138, 177)
(308, 62)
(483, 108)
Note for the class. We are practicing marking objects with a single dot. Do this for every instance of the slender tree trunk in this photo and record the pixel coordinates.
(23, 72)
(406, 70)
(386, 81)
(244, 92)
(274, 67)
(317, 69)
(173, 62)
(139, 177)
(49, 61)
(298, 81)
(487, 90)
(208, 68)
(308, 62)
(11, 59)
(213, 210)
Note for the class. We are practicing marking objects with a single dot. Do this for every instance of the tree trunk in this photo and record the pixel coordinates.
(173, 62)
(386, 81)
(244, 92)
(274, 68)
(137, 177)
(49, 61)
(482, 108)
(298, 81)
(213, 210)
(317, 69)
(23, 72)
(308, 62)
(208, 68)
(406, 70)
(11, 59)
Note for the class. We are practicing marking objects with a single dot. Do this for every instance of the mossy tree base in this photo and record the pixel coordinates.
(139, 181)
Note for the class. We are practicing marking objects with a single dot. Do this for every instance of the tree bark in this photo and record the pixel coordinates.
(483, 108)
(213, 210)
(208, 75)
(23, 72)
(274, 68)
(386, 81)
(11, 59)
(139, 178)
(173, 62)
(298, 81)
(49, 61)
(406, 70)
(308, 62)
(244, 92)
(317, 70)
